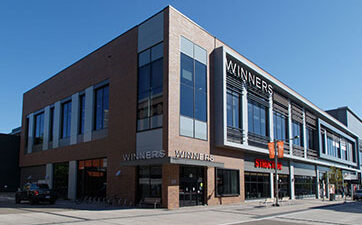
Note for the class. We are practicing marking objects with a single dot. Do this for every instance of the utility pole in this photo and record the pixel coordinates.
(276, 175)
(276, 180)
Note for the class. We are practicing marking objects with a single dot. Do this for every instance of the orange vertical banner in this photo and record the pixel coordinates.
(280, 147)
(271, 150)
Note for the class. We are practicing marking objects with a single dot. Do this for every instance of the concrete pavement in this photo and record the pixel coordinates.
(291, 212)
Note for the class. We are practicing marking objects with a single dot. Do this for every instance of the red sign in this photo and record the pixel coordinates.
(266, 164)
(280, 147)
(271, 150)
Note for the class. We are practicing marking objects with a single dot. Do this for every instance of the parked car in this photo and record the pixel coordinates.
(357, 195)
(35, 193)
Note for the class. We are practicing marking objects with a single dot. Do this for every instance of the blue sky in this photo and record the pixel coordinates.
(315, 47)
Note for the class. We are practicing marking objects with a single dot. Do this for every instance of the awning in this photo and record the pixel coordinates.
(171, 160)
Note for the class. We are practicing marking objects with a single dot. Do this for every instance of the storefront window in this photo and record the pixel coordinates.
(149, 182)
(305, 186)
(92, 178)
(257, 185)
(283, 184)
(227, 182)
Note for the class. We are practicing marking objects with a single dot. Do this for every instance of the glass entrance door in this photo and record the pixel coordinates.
(191, 185)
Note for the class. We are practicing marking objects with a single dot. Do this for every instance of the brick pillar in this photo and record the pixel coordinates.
(170, 186)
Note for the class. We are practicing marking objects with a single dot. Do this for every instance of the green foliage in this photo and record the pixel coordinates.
(336, 177)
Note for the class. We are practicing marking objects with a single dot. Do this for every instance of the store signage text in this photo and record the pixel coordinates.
(144, 155)
(266, 164)
(194, 155)
(239, 71)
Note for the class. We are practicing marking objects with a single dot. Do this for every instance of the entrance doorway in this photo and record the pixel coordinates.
(192, 185)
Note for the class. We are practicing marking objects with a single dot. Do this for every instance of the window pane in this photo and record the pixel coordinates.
(143, 82)
(105, 107)
(187, 101)
(256, 120)
(157, 52)
(200, 106)
(157, 77)
(81, 113)
(144, 58)
(229, 109)
(187, 70)
(200, 76)
(250, 117)
(236, 112)
(262, 121)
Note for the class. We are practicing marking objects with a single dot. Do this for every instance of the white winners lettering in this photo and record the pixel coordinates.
(144, 155)
(194, 155)
(237, 70)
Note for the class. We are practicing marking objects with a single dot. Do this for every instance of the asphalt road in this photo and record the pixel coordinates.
(293, 212)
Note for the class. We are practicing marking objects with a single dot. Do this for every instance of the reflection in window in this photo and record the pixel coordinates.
(233, 110)
(101, 107)
(311, 138)
(150, 88)
(81, 113)
(193, 90)
(66, 119)
(297, 130)
(227, 182)
(39, 128)
(280, 123)
(149, 182)
(257, 185)
(257, 114)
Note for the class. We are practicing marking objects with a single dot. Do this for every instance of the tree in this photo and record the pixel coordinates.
(336, 177)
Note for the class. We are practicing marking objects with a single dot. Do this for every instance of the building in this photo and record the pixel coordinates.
(9, 161)
(168, 111)
(354, 123)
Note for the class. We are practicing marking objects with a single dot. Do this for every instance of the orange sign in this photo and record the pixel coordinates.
(280, 147)
(271, 150)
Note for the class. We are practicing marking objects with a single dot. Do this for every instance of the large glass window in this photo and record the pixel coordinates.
(38, 128)
(311, 138)
(101, 107)
(305, 186)
(193, 90)
(92, 178)
(297, 131)
(257, 114)
(81, 113)
(227, 182)
(150, 88)
(66, 119)
(149, 182)
(257, 185)
(280, 123)
(232, 106)
(51, 121)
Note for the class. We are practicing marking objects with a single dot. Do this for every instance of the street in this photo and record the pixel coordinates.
(291, 212)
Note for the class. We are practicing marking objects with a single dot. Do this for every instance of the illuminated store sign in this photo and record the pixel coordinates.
(194, 155)
(266, 164)
(239, 71)
(144, 155)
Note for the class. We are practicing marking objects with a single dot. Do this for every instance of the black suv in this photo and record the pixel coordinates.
(35, 193)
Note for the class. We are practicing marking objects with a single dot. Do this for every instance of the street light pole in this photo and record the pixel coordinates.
(276, 169)
(276, 174)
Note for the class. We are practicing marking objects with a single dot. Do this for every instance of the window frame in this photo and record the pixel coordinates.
(217, 194)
